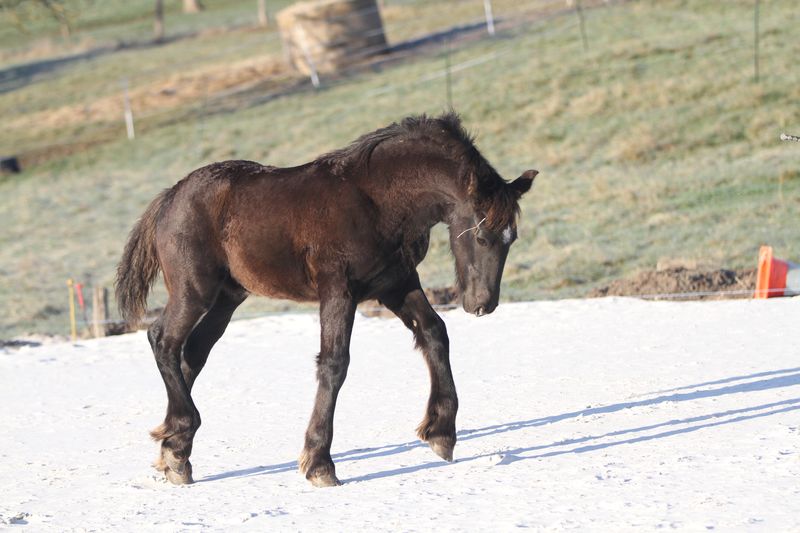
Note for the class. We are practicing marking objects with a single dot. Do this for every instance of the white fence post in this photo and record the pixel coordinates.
(309, 59)
(487, 9)
(128, 112)
(263, 17)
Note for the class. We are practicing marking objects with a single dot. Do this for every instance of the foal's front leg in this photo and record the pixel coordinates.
(438, 428)
(337, 311)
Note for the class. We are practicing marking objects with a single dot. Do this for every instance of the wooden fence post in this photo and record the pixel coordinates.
(99, 311)
(158, 23)
(73, 331)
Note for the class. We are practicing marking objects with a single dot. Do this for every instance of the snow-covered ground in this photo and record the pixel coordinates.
(596, 415)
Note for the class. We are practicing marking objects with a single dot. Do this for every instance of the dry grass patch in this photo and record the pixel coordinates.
(590, 103)
(176, 90)
(635, 146)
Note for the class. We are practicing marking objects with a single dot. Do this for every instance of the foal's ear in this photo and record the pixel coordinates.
(523, 184)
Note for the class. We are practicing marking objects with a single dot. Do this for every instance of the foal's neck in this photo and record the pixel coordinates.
(417, 193)
(436, 200)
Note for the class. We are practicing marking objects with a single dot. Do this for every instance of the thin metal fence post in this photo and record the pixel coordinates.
(582, 24)
(447, 74)
(756, 16)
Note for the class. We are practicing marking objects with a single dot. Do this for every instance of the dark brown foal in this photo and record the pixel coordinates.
(350, 226)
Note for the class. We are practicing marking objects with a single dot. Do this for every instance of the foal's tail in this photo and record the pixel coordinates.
(138, 268)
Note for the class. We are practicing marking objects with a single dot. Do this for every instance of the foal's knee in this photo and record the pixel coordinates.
(332, 368)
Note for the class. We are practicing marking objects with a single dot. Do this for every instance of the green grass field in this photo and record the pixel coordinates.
(655, 144)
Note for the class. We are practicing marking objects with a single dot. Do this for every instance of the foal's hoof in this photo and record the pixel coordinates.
(321, 474)
(442, 447)
(324, 480)
(176, 471)
(180, 478)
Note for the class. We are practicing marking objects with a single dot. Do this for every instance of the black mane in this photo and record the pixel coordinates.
(445, 130)
(488, 190)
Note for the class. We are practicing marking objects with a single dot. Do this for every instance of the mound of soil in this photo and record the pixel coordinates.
(680, 283)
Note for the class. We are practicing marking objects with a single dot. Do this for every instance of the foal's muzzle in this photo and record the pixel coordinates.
(480, 309)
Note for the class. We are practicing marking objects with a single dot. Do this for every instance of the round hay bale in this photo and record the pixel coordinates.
(330, 34)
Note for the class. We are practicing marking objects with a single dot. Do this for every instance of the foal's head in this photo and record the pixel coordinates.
(481, 233)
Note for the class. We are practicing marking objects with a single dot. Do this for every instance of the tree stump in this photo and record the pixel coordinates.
(326, 35)
(99, 311)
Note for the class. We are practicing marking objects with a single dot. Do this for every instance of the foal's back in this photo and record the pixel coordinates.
(269, 228)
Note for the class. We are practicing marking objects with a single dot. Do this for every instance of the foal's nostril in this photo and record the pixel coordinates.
(480, 311)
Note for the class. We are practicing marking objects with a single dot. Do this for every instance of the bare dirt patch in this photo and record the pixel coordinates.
(177, 89)
(680, 283)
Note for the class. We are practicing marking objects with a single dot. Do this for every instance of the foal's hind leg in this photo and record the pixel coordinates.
(209, 331)
(195, 354)
(438, 428)
(168, 335)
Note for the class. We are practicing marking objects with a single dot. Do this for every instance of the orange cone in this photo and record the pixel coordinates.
(776, 277)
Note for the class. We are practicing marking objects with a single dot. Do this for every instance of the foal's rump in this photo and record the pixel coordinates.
(235, 219)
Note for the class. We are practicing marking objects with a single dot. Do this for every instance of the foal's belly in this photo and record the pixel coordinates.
(275, 274)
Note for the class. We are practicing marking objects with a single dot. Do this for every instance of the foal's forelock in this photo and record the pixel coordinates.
(500, 209)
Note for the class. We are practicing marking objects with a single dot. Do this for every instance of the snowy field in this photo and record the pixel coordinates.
(595, 415)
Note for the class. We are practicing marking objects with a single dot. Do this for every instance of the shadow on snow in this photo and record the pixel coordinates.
(780, 379)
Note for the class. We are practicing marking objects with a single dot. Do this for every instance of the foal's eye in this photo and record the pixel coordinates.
(482, 241)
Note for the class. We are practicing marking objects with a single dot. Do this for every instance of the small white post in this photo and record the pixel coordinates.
(128, 112)
(487, 9)
(263, 18)
(309, 60)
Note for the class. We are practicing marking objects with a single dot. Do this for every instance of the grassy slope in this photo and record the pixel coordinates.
(653, 144)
